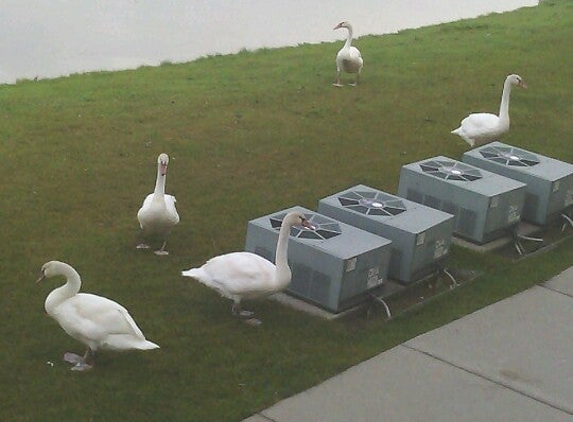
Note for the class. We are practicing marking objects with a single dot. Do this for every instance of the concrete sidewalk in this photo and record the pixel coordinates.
(511, 361)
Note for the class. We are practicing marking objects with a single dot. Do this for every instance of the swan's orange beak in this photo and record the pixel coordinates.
(163, 168)
(522, 84)
(337, 26)
(42, 276)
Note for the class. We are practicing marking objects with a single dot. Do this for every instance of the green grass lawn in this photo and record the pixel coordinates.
(248, 134)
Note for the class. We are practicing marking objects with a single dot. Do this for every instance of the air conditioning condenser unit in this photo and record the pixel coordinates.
(334, 266)
(421, 236)
(486, 205)
(549, 190)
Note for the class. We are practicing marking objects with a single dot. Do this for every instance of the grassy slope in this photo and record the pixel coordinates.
(248, 134)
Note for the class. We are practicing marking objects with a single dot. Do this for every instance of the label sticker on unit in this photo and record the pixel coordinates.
(420, 238)
(494, 202)
(513, 214)
(439, 248)
(373, 279)
(569, 197)
(351, 264)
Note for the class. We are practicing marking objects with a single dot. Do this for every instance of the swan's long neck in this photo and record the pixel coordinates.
(160, 181)
(63, 293)
(283, 273)
(504, 106)
(348, 42)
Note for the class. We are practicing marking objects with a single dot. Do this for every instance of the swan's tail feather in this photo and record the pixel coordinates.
(196, 273)
(203, 277)
(461, 134)
(471, 142)
(128, 342)
(148, 345)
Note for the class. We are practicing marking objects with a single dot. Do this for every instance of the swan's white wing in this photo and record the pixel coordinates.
(144, 208)
(349, 60)
(158, 216)
(147, 201)
(96, 317)
(170, 204)
(238, 274)
(479, 122)
(479, 128)
(355, 53)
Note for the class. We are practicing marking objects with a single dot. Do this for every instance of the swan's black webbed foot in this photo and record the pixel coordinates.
(80, 363)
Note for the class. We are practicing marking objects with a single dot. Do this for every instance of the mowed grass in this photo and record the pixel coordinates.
(248, 134)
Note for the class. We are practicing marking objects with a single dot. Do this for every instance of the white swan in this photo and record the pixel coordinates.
(95, 321)
(348, 58)
(481, 128)
(158, 215)
(245, 275)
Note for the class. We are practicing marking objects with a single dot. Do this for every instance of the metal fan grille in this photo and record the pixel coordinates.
(451, 170)
(509, 156)
(372, 203)
(324, 228)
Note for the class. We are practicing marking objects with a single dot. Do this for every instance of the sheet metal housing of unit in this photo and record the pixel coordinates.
(486, 205)
(549, 181)
(333, 266)
(421, 236)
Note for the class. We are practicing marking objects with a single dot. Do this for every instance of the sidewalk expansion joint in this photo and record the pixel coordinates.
(266, 417)
(545, 286)
(477, 374)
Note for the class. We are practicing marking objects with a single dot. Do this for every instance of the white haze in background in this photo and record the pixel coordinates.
(49, 38)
